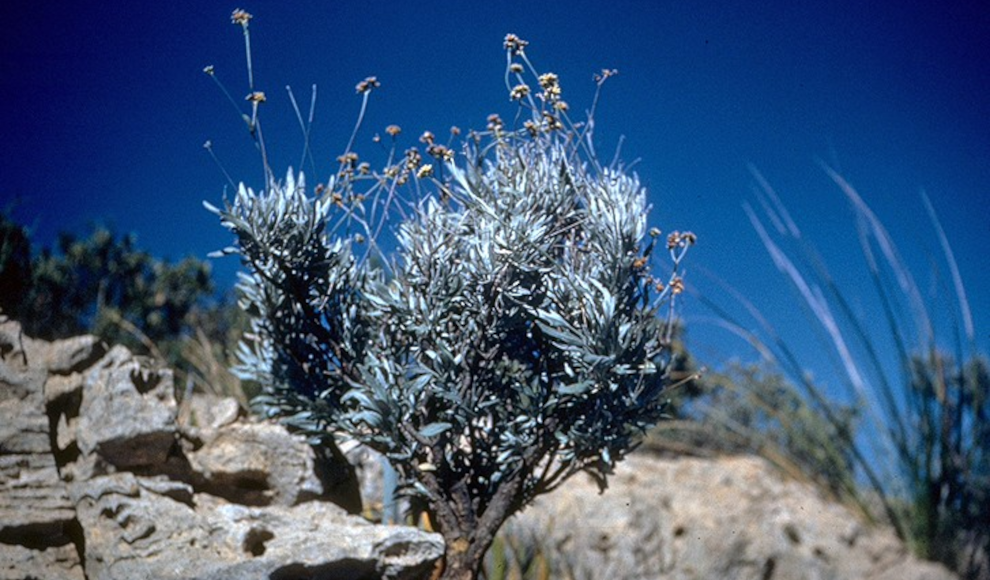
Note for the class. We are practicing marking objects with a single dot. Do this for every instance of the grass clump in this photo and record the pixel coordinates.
(909, 445)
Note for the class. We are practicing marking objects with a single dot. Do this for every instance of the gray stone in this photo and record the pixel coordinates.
(140, 494)
(64, 356)
(36, 515)
(258, 464)
(34, 504)
(12, 346)
(202, 414)
(53, 563)
(692, 518)
(22, 405)
(128, 409)
(58, 357)
(59, 388)
(119, 490)
(31, 494)
(133, 531)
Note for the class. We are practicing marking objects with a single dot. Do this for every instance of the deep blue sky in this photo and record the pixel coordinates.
(105, 111)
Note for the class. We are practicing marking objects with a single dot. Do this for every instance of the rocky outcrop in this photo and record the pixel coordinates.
(689, 518)
(162, 530)
(39, 533)
(102, 477)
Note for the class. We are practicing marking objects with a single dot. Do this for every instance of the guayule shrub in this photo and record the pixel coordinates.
(514, 338)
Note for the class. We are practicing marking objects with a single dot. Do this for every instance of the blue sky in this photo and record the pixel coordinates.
(106, 109)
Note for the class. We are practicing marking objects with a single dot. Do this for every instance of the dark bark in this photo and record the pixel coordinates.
(467, 534)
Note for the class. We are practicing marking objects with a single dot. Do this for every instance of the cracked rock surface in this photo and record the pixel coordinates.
(100, 480)
(103, 477)
(694, 518)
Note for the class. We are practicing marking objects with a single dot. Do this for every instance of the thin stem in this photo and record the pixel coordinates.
(306, 126)
(209, 148)
(360, 119)
(247, 52)
(230, 98)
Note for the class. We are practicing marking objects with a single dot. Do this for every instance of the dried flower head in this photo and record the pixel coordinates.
(455, 130)
(551, 87)
(532, 127)
(208, 69)
(655, 232)
(364, 168)
(518, 92)
(548, 80)
(606, 73)
(413, 158)
(349, 158)
(680, 239)
(441, 152)
(425, 171)
(368, 84)
(240, 17)
(516, 68)
(677, 285)
(256, 97)
(514, 44)
(393, 130)
(427, 137)
(495, 122)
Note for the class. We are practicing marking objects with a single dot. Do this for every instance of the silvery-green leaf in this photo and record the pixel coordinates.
(575, 388)
(370, 418)
(434, 429)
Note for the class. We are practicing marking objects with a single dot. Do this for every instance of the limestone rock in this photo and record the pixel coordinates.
(64, 356)
(201, 415)
(692, 518)
(128, 410)
(259, 462)
(54, 563)
(37, 518)
(58, 357)
(134, 530)
(98, 480)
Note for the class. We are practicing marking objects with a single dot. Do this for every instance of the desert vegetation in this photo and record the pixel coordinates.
(905, 449)
(515, 336)
(105, 284)
(904, 440)
(493, 313)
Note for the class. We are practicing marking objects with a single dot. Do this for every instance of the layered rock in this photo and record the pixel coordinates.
(104, 476)
(99, 479)
(39, 533)
(692, 518)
